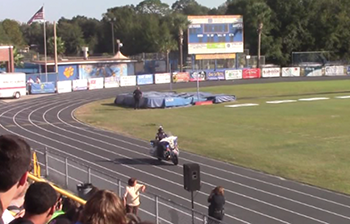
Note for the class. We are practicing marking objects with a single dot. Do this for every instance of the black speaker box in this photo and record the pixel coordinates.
(192, 178)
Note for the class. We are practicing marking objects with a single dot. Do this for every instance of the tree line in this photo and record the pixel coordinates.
(153, 26)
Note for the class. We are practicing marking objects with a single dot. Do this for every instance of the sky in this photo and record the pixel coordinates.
(23, 10)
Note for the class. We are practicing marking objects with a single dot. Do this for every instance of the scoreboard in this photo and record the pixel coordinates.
(215, 34)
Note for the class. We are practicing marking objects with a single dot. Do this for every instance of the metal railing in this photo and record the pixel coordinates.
(69, 173)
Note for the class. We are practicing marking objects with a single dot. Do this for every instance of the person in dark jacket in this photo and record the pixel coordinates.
(216, 207)
(137, 96)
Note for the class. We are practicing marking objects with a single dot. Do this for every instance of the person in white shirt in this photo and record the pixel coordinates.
(37, 81)
(132, 196)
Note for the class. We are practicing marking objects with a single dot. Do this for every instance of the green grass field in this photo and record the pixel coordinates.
(304, 141)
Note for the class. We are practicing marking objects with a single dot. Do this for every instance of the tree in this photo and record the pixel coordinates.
(189, 7)
(51, 46)
(13, 32)
(168, 43)
(4, 39)
(153, 7)
(72, 36)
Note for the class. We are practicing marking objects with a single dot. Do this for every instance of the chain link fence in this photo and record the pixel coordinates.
(69, 174)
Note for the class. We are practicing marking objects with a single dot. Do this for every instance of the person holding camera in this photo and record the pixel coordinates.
(216, 207)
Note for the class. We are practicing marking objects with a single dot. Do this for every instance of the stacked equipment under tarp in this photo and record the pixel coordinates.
(154, 99)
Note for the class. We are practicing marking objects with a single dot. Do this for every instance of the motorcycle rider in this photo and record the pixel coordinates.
(159, 136)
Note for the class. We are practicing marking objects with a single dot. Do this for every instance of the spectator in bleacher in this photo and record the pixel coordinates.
(104, 207)
(68, 212)
(39, 204)
(15, 160)
(132, 196)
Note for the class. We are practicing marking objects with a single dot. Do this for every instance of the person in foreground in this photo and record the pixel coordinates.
(216, 207)
(39, 204)
(15, 160)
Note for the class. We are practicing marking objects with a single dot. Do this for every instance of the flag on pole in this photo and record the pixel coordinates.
(39, 15)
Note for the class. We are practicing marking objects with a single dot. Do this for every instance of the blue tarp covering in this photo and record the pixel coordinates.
(171, 99)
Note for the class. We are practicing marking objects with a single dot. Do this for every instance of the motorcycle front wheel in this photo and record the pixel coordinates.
(175, 160)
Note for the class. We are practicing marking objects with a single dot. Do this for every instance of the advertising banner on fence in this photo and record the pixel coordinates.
(251, 73)
(290, 71)
(128, 80)
(197, 75)
(96, 83)
(233, 74)
(162, 78)
(312, 71)
(111, 82)
(64, 86)
(215, 75)
(334, 70)
(144, 79)
(271, 72)
(45, 87)
(181, 77)
(80, 84)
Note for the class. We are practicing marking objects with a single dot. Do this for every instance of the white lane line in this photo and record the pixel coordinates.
(314, 99)
(243, 105)
(342, 97)
(281, 101)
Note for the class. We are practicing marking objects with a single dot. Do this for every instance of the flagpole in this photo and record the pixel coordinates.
(55, 40)
(45, 52)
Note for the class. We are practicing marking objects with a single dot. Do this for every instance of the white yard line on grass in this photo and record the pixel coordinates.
(243, 105)
(314, 99)
(281, 101)
(342, 97)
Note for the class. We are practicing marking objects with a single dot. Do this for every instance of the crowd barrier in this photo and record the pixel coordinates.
(188, 76)
(70, 173)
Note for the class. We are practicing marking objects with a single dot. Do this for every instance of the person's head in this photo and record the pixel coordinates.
(40, 201)
(160, 129)
(15, 158)
(69, 204)
(104, 207)
(219, 190)
(132, 182)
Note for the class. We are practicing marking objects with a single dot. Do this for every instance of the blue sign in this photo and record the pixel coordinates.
(67, 72)
(144, 79)
(215, 75)
(45, 87)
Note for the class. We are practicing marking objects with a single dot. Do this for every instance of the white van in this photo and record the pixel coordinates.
(12, 85)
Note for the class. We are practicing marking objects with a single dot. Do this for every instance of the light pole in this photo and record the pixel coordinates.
(260, 27)
(112, 25)
(181, 39)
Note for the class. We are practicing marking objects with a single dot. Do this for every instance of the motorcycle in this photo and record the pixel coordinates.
(166, 149)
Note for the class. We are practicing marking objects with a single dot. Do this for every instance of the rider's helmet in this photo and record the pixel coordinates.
(160, 129)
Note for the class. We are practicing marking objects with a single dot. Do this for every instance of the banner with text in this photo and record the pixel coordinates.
(197, 75)
(144, 79)
(271, 72)
(64, 86)
(45, 87)
(215, 75)
(334, 70)
(233, 74)
(111, 82)
(251, 73)
(181, 77)
(290, 72)
(129, 80)
(162, 78)
(312, 71)
(80, 84)
(96, 83)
